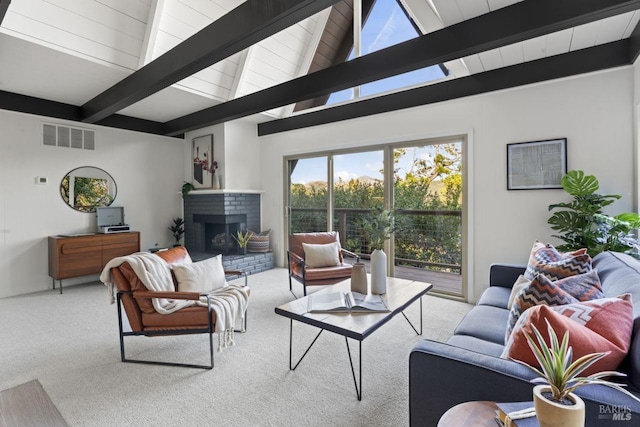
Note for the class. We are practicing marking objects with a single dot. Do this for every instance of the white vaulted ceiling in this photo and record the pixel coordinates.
(595, 33)
(70, 51)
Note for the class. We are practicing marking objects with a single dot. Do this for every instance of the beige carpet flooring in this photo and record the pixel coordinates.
(69, 343)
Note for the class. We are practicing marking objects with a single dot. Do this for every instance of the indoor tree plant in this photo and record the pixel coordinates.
(378, 229)
(559, 376)
(582, 224)
(177, 230)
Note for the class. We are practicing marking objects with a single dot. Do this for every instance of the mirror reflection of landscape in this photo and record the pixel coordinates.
(86, 188)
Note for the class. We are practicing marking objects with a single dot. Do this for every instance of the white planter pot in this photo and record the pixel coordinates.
(552, 414)
(378, 272)
(359, 278)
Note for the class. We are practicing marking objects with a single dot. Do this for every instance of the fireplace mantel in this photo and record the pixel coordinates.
(224, 191)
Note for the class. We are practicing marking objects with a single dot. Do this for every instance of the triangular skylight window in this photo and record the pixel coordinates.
(388, 25)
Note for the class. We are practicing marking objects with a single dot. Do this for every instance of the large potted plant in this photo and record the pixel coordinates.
(559, 376)
(378, 229)
(582, 223)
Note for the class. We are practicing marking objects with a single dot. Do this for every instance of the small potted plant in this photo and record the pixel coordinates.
(177, 230)
(243, 240)
(554, 400)
(186, 188)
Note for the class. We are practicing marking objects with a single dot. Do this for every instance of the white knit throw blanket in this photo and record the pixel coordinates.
(229, 302)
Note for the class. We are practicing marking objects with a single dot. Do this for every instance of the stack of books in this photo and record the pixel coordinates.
(522, 414)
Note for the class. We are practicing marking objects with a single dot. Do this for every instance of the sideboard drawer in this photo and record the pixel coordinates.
(74, 256)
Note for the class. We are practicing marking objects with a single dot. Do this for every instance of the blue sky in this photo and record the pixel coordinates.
(386, 26)
(354, 165)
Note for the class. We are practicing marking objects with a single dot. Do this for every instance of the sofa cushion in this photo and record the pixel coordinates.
(321, 255)
(541, 290)
(484, 322)
(619, 274)
(201, 276)
(495, 296)
(476, 344)
(589, 326)
(545, 259)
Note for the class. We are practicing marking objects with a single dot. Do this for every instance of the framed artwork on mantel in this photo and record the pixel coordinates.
(202, 154)
(536, 165)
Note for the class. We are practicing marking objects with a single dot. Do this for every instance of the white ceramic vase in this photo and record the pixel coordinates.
(552, 414)
(216, 182)
(359, 278)
(378, 272)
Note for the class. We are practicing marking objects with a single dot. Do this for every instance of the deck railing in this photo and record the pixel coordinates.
(429, 239)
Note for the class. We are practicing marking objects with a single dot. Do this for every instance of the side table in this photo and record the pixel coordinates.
(470, 414)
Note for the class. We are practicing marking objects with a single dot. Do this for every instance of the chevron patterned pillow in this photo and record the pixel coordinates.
(545, 259)
(591, 329)
(542, 291)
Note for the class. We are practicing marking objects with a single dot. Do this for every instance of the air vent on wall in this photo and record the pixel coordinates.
(64, 136)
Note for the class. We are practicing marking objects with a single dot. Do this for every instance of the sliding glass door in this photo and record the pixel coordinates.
(422, 183)
(308, 195)
(427, 195)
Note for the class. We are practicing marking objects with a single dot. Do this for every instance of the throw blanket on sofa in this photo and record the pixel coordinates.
(229, 302)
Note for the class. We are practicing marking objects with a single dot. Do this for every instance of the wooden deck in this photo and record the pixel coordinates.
(450, 283)
(445, 282)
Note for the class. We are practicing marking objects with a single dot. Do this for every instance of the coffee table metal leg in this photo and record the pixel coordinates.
(291, 367)
(353, 372)
(411, 324)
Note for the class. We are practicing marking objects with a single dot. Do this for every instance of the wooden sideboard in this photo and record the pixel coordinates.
(81, 255)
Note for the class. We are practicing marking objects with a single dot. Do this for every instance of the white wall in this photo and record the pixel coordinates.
(594, 112)
(147, 170)
(236, 148)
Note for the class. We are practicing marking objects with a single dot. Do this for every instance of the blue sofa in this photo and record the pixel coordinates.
(469, 368)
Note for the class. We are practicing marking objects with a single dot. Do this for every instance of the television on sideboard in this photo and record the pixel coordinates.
(110, 215)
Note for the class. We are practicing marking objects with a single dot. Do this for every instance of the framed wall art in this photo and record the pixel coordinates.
(202, 154)
(536, 165)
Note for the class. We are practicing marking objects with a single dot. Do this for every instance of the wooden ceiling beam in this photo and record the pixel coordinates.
(249, 23)
(515, 23)
(554, 67)
(634, 44)
(4, 6)
(58, 110)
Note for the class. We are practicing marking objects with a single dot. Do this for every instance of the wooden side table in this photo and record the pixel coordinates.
(470, 414)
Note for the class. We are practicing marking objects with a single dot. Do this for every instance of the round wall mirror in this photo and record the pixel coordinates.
(86, 188)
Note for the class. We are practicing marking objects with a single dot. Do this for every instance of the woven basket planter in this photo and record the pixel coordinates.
(258, 244)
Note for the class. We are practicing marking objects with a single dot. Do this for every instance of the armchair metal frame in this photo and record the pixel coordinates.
(168, 332)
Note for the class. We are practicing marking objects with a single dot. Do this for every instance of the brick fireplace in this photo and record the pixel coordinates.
(209, 215)
(216, 213)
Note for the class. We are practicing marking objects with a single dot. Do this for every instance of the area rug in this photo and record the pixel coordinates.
(70, 343)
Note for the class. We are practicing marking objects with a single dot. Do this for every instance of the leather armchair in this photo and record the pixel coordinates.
(136, 300)
(299, 271)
